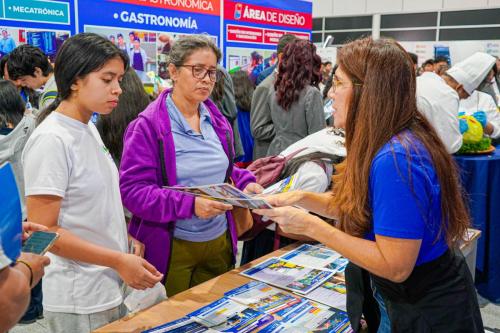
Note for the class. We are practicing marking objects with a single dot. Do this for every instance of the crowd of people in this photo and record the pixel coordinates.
(92, 154)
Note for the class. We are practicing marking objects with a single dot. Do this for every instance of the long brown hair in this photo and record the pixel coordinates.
(383, 104)
(299, 67)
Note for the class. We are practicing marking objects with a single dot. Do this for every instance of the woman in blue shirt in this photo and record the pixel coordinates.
(396, 197)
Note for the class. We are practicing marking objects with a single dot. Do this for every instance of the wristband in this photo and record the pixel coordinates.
(29, 267)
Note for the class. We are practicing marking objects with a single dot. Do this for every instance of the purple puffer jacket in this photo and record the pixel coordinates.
(156, 209)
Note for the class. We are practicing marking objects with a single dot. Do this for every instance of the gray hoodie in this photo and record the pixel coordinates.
(11, 148)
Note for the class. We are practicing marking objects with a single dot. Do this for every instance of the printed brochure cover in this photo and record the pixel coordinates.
(183, 325)
(262, 297)
(332, 293)
(226, 315)
(225, 193)
(312, 256)
(287, 275)
(308, 316)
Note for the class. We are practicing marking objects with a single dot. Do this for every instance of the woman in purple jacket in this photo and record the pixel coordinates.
(183, 139)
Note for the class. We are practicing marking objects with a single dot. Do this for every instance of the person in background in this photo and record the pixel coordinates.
(468, 75)
(428, 65)
(260, 115)
(7, 43)
(29, 66)
(72, 188)
(29, 96)
(17, 279)
(243, 92)
(396, 196)
(414, 60)
(133, 101)
(112, 39)
(121, 44)
(296, 105)
(491, 85)
(223, 97)
(182, 139)
(16, 125)
(131, 37)
(441, 65)
(326, 69)
(256, 67)
(138, 56)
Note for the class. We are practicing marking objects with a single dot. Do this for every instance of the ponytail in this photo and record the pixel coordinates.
(48, 110)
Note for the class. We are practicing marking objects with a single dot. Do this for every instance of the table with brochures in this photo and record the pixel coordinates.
(275, 293)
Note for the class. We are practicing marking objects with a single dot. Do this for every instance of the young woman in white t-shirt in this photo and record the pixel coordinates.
(72, 188)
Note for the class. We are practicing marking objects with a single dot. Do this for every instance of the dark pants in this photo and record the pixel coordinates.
(35, 309)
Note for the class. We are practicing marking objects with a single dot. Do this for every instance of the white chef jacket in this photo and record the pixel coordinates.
(439, 103)
(480, 101)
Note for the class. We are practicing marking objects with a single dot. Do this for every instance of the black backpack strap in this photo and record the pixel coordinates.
(231, 155)
(164, 177)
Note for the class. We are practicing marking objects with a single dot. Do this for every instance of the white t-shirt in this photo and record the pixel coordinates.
(438, 102)
(480, 101)
(67, 158)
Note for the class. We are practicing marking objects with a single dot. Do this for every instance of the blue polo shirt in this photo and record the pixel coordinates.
(405, 196)
(200, 160)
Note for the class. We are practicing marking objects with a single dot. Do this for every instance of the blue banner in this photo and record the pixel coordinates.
(105, 13)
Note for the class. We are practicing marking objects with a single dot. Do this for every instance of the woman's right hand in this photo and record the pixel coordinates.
(205, 208)
(37, 264)
(137, 272)
(284, 199)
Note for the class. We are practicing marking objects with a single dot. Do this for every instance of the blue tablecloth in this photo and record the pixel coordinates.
(480, 175)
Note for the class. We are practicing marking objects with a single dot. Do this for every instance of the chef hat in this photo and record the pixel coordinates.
(472, 71)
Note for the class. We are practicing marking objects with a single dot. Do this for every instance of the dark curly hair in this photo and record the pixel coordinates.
(300, 66)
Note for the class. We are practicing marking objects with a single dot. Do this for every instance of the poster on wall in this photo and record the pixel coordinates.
(146, 29)
(45, 24)
(252, 29)
(459, 50)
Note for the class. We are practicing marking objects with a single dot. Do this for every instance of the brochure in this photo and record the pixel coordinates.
(338, 266)
(183, 325)
(308, 316)
(225, 315)
(225, 193)
(287, 275)
(312, 256)
(332, 293)
(262, 297)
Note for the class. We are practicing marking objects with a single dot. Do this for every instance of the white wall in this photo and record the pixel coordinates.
(328, 8)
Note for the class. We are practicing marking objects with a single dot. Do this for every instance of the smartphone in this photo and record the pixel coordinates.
(40, 242)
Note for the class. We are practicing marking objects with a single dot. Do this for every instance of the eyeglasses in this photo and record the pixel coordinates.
(338, 83)
(199, 72)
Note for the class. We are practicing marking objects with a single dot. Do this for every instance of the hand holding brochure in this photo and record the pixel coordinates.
(225, 193)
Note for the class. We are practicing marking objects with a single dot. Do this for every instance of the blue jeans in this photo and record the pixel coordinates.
(385, 322)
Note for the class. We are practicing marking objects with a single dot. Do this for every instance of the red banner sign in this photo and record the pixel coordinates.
(242, 34)
(264, 15)
(273, 36)
(211, 7)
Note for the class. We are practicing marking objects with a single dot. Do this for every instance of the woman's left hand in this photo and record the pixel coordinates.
(253, 188)
(291, 220)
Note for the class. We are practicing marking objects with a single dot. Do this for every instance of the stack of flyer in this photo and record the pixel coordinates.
(315, 300)
(312, 271)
